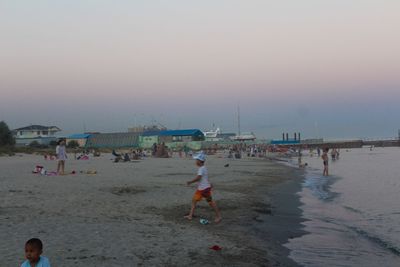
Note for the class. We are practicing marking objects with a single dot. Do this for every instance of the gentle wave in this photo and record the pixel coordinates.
(377, 240)
(352, 216)
(320, 186)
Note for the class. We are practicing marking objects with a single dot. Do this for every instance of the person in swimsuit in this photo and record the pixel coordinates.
(325, 159)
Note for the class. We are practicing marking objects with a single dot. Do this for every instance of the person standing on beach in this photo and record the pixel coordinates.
(203, 188)
(61, 157)
(333, 154)
(186, 150)
(325, 159)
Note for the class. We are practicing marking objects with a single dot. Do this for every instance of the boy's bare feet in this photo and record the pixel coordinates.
(218, 220)
(189, 217)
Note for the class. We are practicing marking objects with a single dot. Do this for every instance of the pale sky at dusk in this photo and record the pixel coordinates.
(323, 68)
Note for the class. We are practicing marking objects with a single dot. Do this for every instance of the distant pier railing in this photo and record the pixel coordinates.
(376, 142)
(382, 142)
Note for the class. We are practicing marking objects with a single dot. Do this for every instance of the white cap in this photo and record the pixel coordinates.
(200, 156)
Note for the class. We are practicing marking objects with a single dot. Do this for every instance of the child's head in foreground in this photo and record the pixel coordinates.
(200, 159)
(33, 250)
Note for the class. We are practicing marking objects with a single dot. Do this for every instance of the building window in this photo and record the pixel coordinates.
(177, 138)
(45, 132)
(38, 132)
(187, 139)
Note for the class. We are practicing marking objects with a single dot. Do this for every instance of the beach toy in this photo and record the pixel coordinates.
(38, 169)
(204, 221)
(216, 248)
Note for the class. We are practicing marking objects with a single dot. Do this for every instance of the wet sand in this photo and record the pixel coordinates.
(131, 214)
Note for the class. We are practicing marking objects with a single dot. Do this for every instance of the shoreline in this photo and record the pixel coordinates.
(132, 213)
(283, 220)
(287, 221)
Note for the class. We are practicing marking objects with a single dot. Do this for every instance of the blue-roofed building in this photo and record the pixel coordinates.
(285, 142)
(81, 139)
(174, 139)
(189, 134)
(113, 140)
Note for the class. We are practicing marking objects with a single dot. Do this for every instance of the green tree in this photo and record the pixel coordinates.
(53, 143)
(6, 137)
(36, 144)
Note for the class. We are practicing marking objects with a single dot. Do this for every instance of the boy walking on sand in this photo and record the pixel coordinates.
(203, 188)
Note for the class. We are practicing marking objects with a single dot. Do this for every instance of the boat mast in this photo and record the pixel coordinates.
(238, 120)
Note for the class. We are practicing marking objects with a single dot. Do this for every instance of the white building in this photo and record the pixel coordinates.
(42, 134)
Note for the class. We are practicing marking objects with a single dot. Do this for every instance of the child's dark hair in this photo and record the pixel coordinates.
(62, 140)
(35, 242)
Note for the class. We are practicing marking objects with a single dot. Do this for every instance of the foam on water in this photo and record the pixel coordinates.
(352, 216)
(319, 185)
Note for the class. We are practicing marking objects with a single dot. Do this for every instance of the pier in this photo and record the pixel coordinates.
(395, 142)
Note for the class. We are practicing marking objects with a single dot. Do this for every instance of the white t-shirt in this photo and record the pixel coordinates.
(43, 262)
(203, 183)
(61, 153)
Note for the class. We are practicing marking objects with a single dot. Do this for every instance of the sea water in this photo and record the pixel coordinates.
(352, 216)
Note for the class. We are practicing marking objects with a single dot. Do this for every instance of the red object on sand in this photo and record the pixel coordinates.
(216, 248)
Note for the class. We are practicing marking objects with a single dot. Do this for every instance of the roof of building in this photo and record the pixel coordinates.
(79, 136)
(38, 128)
(113, 140)
(285, 142)
(187, 132)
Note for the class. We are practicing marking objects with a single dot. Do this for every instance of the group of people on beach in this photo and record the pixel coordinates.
(34, 246)
(325, 158)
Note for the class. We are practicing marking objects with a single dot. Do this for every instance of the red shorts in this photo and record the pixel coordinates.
(199, 194)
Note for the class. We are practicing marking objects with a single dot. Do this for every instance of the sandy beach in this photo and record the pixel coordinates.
(131, 214)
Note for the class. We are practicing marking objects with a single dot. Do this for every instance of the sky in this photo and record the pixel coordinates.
(324, 68)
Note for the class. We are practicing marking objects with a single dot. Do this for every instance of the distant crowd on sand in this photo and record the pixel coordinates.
(234, 151)
(204, 188)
